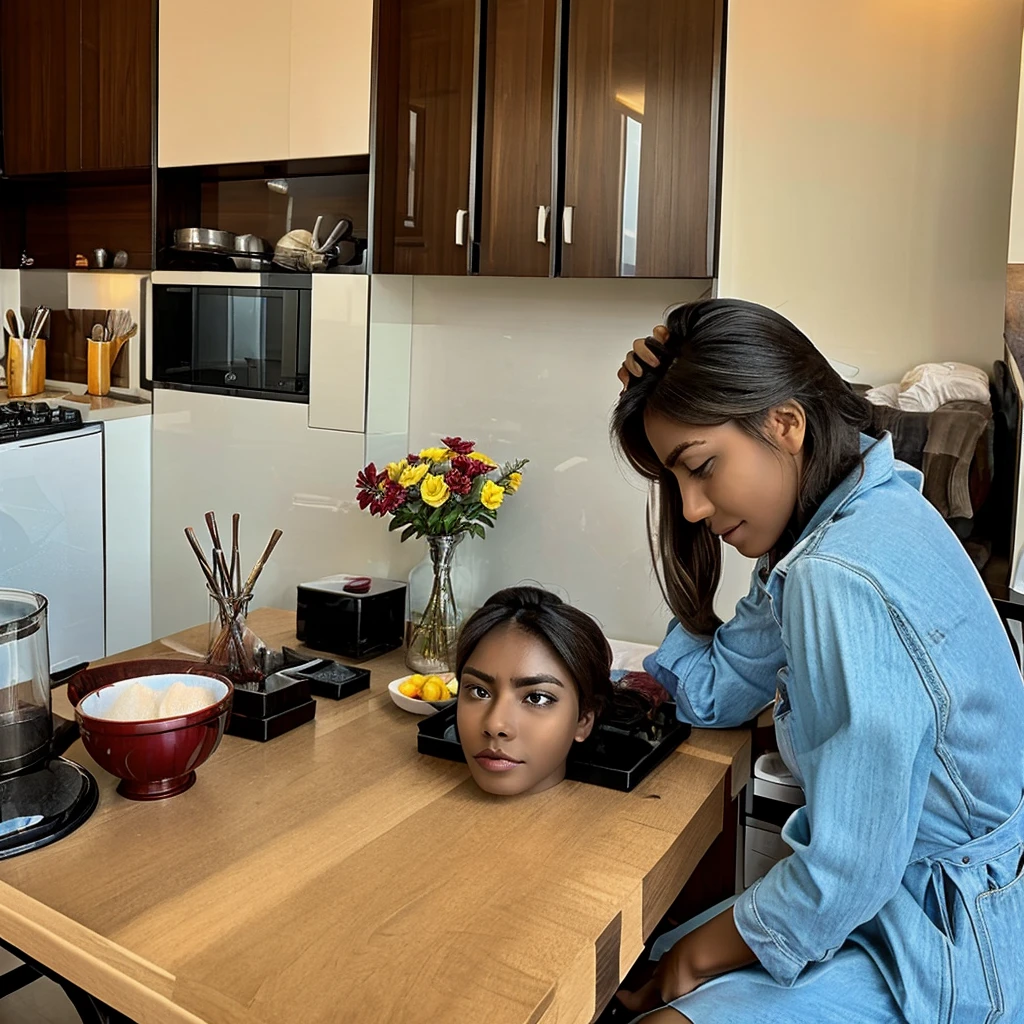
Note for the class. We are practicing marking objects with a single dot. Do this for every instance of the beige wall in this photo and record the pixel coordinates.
(868, 157)
(1017, 202)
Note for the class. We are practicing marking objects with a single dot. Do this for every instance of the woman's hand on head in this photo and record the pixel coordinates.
(639, 354)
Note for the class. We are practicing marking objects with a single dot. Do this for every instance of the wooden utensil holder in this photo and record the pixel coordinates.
(102, 356)
(26, 367)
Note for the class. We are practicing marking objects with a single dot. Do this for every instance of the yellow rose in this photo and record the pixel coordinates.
(485, 459)
(492, 495)
(434, 454)
(412, 475)
(394, 470)
(434, 491)
(513, 482)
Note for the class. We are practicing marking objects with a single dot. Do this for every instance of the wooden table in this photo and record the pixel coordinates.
(334, 874)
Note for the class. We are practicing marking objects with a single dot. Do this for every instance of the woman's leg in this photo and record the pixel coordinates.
(666, 1015)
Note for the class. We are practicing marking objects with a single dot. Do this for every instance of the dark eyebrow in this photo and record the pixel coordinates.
(482, 676)
(538, 680)
(673, 456)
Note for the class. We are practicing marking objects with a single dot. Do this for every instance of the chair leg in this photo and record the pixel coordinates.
(17, 978)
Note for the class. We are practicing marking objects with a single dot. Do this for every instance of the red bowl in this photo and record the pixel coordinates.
(157, 758)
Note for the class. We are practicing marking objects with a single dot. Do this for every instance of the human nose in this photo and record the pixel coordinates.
(696, 504)
(499, 722)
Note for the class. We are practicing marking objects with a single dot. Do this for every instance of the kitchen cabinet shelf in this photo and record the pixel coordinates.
(237, 198)
(574, 138)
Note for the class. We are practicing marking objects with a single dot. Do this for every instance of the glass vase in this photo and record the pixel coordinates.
(235, 650)
(435, 632)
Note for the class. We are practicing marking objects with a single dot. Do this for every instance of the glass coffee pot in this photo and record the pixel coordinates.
(26, 726)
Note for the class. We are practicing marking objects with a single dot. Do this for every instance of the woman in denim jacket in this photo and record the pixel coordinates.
(899, 706)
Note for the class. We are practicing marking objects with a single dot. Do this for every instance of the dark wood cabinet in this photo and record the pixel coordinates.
(117, 84)
(40, 78)
(517, 190)
(641, 149)
(425, 133)
(574, 137)
(77, 85)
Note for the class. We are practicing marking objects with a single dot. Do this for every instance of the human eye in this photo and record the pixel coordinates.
(539, 699)
(704, 469)
(477, 691)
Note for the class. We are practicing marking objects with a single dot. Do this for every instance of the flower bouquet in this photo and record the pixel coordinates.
(442, 494)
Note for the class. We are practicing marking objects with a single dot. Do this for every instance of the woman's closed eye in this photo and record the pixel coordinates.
(539, 699)
(704, 469)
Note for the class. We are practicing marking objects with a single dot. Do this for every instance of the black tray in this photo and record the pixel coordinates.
(264, 729)
(612, 757)
(332, 679)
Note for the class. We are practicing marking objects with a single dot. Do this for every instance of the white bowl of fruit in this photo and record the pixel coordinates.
(424, 694)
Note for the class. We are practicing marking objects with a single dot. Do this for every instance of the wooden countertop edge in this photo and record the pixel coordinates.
(107, 971)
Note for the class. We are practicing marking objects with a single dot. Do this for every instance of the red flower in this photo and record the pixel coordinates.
(471, 467)
(368, 478)
(458, 483)
(412, 459)
(391, 498)
(456, 444)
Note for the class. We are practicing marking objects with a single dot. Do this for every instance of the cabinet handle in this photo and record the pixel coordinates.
(542, 224)
(567, 225)
(460, 226)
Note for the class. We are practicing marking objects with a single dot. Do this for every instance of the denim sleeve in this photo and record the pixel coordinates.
(726, 680)
(862, 727)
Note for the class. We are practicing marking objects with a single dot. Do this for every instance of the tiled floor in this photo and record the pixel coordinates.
(42, 1002)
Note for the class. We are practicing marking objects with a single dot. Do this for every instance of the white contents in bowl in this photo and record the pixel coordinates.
(141, 703)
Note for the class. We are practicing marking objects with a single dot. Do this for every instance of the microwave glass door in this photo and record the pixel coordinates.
(244, 339)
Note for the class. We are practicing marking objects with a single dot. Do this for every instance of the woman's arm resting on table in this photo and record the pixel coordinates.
(725, 680)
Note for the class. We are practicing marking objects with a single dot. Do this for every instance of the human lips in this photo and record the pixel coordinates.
(726, 534)
(496, 761)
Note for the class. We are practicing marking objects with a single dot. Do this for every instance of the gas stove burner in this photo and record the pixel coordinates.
(40, 806)
(19, 420)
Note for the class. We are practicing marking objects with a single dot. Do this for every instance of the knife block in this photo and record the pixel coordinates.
(26, 367)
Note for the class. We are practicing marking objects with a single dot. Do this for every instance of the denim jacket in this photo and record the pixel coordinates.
(899, 708)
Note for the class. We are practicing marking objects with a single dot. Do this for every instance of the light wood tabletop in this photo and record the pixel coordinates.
(335, 874)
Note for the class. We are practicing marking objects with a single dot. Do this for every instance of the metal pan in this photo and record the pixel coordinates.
(251, 244)
(252, 261)
(204, 240)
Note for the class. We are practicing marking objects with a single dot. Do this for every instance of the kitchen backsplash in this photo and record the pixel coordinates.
(527, 368)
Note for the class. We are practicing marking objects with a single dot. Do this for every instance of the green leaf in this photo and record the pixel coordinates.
(408, 532)
(478, 531)
(395, 524)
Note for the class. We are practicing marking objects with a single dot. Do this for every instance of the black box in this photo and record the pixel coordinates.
(330, 617)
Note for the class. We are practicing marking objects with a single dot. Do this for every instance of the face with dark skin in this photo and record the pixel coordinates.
(518, 713)
(743, 487)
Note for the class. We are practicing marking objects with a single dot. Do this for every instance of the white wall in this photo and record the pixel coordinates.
(526, 368)
(1016, 252)
(867, 165)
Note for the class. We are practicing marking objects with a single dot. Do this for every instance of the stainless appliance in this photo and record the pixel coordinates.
(238, 336)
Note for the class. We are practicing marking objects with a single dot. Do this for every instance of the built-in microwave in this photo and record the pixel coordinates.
(239, 334)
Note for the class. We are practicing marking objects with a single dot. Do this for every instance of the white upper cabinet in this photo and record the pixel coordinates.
(257, 80)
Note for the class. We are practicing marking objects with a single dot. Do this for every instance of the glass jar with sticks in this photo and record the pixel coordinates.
(235, 650)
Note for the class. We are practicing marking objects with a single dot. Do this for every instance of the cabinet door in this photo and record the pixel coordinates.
(642, 126)
(224, 71)
(40, 57)
(331, 50)
(424, 135)
(117, 83)
(515, 189)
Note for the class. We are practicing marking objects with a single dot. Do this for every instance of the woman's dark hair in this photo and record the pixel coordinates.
(571, 634)
(731, 361)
